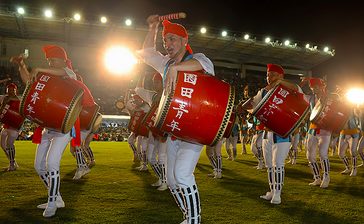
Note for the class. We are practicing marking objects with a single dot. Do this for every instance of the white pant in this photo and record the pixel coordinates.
(274, 153)
(8, 137)
(50, 151)
(346, 141)
(320, 141)
(257, 141)
(156, 149)
(182, 158)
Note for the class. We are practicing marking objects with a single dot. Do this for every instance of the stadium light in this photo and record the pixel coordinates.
(287, 43)
(355, 96)
(48, 13)
(308, 46)
(246, 37)
(128, 22)
(103, 19)
(119, 60)
(203, 30)
(77, 16)
(224, 33)
(21, 10)
(267, 40)
(326, 49)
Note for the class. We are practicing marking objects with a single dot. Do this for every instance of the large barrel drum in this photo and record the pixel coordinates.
(198, 110)
(136, 123)
(88, 116)
(53, 102)
(330, 113)
(282, 110)
(10, 114)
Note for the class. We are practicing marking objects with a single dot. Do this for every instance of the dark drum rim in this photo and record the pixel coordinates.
(23, 99)
(226, 118)
(75, 108)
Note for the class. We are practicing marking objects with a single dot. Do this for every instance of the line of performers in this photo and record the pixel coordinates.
(62, 110)
(189, 108)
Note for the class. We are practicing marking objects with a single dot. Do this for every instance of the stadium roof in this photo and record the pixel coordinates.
(231, 51)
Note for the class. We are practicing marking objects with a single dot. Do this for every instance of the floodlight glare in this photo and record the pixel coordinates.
(77, 16)
(128, 22)
(203, 30)
(103, 19)
(119, 60)
(21, 10)
(48, 13)
(224, 33)
(246, 37)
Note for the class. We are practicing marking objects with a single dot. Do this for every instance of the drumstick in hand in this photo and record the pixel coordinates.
(178, 15)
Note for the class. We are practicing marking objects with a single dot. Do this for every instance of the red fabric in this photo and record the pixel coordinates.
(37, 135)
(275, 68)
(259, 127)
(54, 51)
(76, 141)
(316, 82)
(176, 29)
(5, 126)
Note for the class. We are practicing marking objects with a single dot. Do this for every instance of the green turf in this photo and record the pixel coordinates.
(114, 193)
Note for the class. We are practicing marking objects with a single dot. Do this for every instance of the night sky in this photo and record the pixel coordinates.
(338, 24)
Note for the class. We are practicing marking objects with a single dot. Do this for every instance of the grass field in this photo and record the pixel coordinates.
(115, 193)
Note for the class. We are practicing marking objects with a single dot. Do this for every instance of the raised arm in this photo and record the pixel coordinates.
(151, 37)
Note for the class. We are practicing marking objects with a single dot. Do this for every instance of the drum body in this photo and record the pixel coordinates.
(330, 114)
(230, 125)
(198, 110)
(10, 114)
(88, 116)
(53, 102)
(282, 110)
(136, 123)
(149, 120)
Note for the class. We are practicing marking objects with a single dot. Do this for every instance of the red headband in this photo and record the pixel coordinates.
(176, 29)
(54, 51)
(275, 68)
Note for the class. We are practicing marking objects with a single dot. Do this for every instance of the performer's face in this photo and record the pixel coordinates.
(56, 63)
(11, 91)
(273, 77)
(174, 45)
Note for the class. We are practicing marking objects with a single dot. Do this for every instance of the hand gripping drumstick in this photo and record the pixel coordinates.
(178, 15)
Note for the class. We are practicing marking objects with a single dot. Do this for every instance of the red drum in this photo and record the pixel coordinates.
(230, 125)
(97, 123)
(136, 123)
(282, 110)
(10, 114)
(198, 110)
(149, 120)
(88, 116)
(53, 102)
(330, 113)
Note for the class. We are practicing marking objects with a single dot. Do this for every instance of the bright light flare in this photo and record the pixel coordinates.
(48, 13)
(21, 10)
(355, 96)
(119, 60)
(77, 16)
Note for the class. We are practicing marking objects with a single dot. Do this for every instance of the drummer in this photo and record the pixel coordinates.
(52, 143)
(9, 134)
(318, 138)
(182, 156)
(275, 148)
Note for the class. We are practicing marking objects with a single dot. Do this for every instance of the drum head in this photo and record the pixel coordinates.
(97, 123)
(316, 111)
(120, 104)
